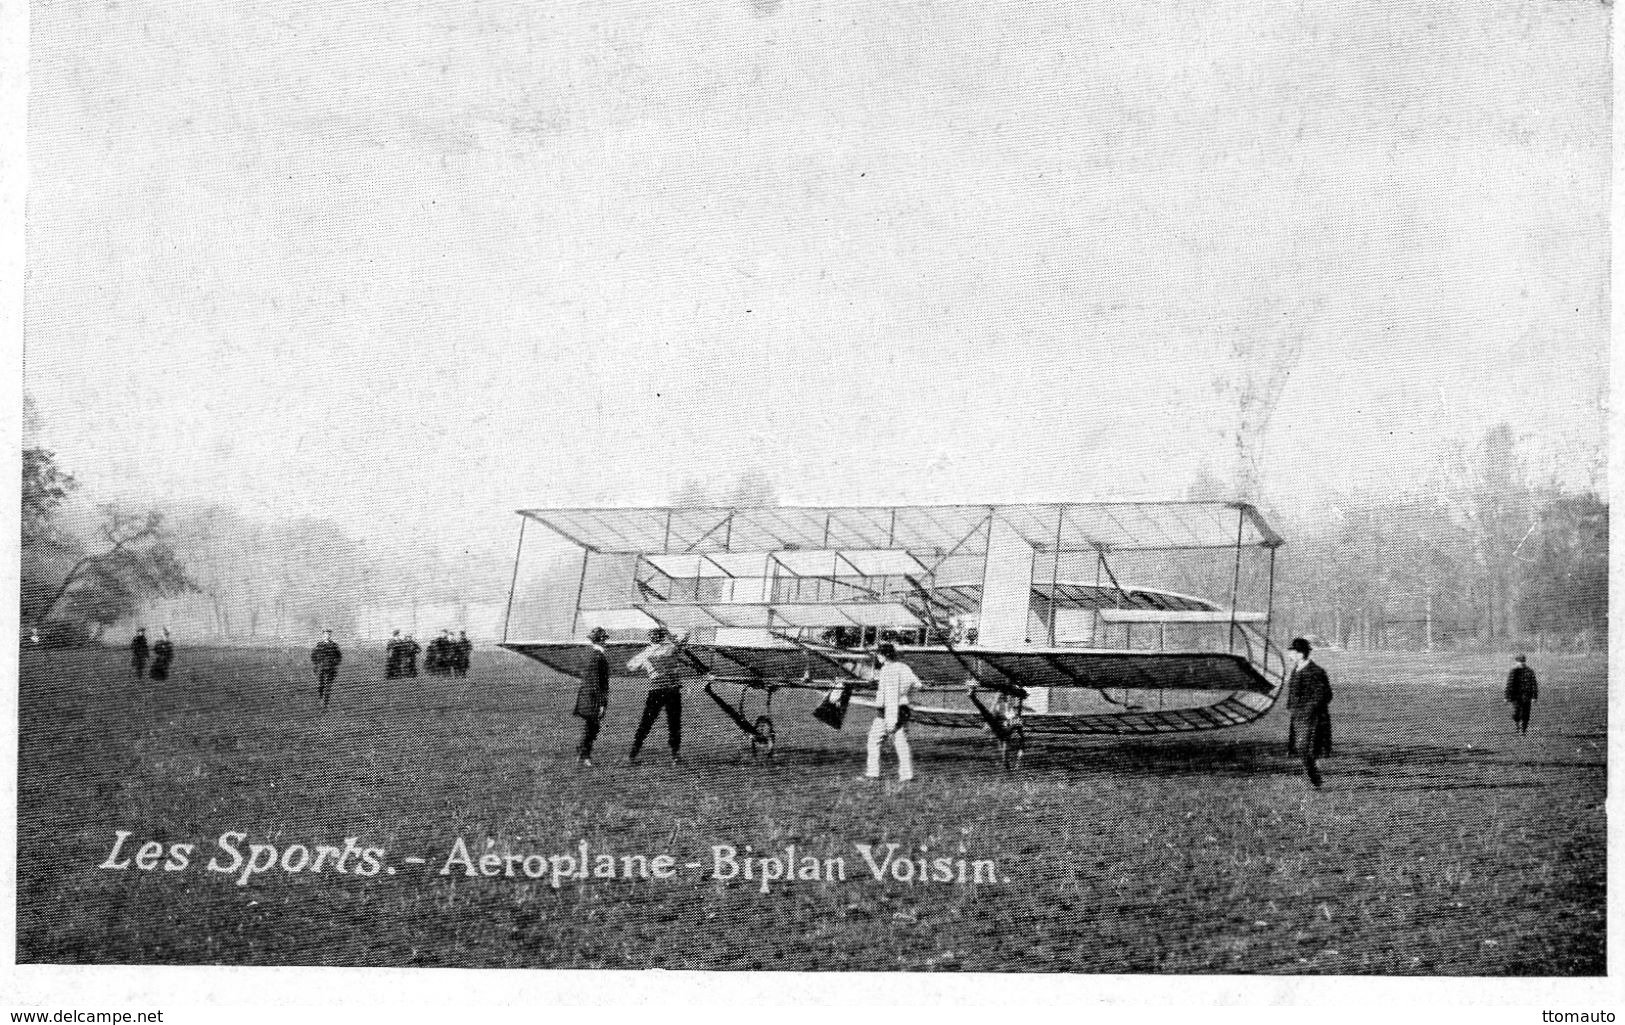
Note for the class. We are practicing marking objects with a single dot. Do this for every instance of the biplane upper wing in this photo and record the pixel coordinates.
(1109, 526)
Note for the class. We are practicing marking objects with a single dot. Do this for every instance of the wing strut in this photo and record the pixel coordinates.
(816, 653)
(995, 722)
(1013, 689)
(1112, 577)
(760, 732)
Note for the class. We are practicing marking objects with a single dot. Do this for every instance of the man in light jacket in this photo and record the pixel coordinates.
(662, 660)
(893, 683)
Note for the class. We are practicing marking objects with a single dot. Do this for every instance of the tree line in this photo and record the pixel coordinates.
(1482, 554)
(215, 574)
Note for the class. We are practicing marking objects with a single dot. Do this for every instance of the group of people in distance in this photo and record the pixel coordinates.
(445, 657)
(162, 655)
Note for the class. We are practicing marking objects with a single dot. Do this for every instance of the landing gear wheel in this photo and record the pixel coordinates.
(763, 741)
(1011, 747)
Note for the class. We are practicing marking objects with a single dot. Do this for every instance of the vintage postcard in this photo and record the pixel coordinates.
(1105, 499)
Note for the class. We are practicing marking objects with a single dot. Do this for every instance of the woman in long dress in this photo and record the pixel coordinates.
(163, 653)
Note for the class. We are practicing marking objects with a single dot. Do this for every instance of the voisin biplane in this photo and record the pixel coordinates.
(1077, 619)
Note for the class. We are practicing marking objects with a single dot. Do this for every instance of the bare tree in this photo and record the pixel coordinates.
(1489, 494)
(690, 494)
(1261, 354)
(753, 487)
(750, 487)
(132, 559)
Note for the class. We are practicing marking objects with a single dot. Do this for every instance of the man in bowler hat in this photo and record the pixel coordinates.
(592, 697)
(1308, 697)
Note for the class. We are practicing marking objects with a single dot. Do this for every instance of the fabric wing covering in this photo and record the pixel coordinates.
(1039, 668)
(1129, 670)
(775, 616)
(939, 529)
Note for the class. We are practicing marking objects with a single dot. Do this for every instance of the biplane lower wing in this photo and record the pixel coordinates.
(1107, 670)
(779, 666)
(788, 665)
(1237, 709)
(571, 657)
(1241, 692)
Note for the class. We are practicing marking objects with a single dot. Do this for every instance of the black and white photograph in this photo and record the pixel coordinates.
(950, 503)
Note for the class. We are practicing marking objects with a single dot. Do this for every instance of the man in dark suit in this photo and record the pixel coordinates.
(325, 657)
(1522, 691)
(1308, 699)
(1323, 735)
(392, 656)
(592, 698)
(138, 652)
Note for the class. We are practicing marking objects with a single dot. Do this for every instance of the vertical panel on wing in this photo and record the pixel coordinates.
(1007, 585)
(751, 582)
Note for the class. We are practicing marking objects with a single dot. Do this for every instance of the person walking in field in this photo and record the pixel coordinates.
(163, 653)
(326, 656)
(662, 661)
(409, 656)
(592, 697)
(462, 650)
(1308, 699)
(392, 655)
(1322, 734)
(138, 652)
(893, 684)
(1522, 691)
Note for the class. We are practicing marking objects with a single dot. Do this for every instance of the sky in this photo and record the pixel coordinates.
(412, 267)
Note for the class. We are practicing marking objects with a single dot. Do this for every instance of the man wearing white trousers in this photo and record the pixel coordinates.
(894, 681)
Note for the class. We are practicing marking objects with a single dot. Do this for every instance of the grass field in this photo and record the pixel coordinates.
(1442, 844)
